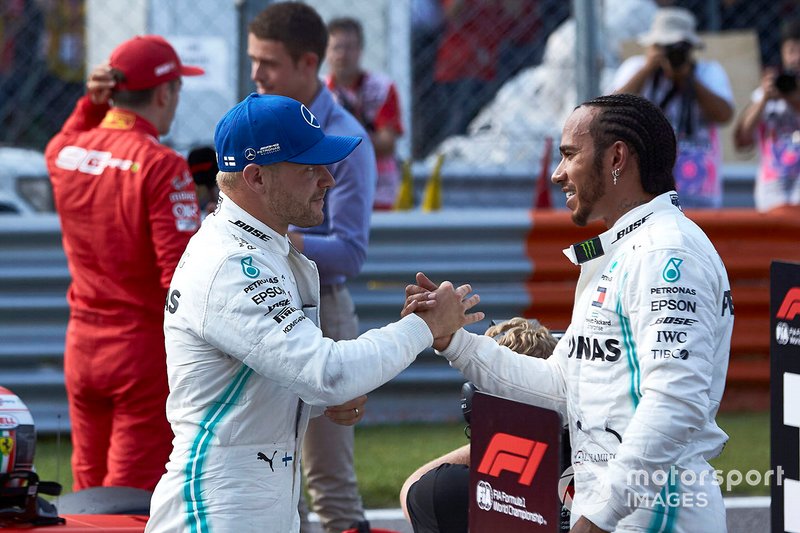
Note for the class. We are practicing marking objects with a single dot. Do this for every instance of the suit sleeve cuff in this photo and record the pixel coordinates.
(419, 328)
(457, 347)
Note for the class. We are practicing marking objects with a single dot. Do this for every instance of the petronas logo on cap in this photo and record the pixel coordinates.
(308, 116)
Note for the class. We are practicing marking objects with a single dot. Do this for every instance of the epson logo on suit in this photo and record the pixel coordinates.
(673, 305)
(269, 292)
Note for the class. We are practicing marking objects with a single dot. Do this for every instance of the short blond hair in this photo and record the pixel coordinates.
(524, 336)
(228, 181)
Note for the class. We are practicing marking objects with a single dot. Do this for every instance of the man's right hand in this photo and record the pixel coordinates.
(768, 84)
(654, 59)
(100, 84)
(417, 296)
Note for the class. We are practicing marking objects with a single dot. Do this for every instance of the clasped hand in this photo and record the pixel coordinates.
(442, 307)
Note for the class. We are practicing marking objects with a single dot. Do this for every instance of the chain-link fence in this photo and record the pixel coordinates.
(496, 118)
(42, 54)
(47, 48)
(480, 80)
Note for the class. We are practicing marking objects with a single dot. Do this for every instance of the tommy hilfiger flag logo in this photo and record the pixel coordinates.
(600, 297)
(229, 160)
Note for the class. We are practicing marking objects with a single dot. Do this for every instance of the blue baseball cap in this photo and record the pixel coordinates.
(265, 129)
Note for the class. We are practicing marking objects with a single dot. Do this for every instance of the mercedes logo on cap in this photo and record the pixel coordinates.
(250, 154)
(308, 116)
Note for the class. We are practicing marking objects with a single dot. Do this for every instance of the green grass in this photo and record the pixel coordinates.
(386, 455)
(747, 449)
(52, 460)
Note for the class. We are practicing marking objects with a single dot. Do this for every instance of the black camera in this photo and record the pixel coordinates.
(786, 82)
(467, 392)
(678, 54)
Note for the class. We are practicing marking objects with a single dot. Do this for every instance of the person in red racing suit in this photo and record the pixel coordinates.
(127, 207)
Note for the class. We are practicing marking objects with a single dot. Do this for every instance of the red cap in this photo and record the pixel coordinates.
(147, 61)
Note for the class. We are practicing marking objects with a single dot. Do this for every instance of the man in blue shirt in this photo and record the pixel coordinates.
(286, 43)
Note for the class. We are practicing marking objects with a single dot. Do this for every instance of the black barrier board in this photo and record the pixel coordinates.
(515, 467)
(785, 396)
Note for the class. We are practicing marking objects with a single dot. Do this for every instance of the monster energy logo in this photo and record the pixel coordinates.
(587, 250)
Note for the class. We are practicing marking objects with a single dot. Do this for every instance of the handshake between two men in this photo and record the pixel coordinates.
(443, 307)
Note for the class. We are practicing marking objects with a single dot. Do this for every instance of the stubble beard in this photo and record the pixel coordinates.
(588, 196)
(306, 216)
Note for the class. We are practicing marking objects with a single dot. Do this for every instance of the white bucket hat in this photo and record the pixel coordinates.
(672, 25)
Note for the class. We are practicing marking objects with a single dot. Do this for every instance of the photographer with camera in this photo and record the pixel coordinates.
(773, 118)
(694, 94)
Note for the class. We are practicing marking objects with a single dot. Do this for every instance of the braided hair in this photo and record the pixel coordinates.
(644, 129)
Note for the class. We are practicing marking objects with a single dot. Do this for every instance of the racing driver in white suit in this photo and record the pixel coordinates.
(245, 358)
(640, 372)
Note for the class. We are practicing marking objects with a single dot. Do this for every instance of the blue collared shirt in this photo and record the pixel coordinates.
(339, 245)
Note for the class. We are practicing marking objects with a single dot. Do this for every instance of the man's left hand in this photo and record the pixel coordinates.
(348, 413)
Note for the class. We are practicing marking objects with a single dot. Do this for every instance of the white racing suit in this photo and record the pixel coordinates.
(639, 373)
(246, 361)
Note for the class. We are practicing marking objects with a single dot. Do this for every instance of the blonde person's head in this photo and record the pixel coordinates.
(524, 336)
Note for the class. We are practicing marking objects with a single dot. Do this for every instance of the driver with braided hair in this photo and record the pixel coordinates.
(640, 371)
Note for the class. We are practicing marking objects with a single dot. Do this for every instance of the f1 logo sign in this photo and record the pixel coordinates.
(790, 307)
(514, 454)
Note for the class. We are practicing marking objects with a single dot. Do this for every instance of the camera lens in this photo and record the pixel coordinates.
(786, 82)
(678, 54)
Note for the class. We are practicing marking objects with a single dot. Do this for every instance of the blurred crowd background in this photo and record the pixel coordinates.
(483, 81)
